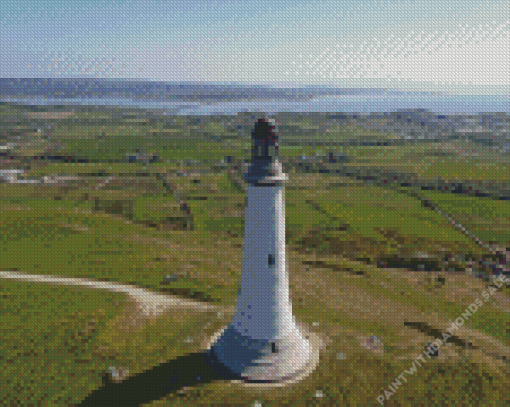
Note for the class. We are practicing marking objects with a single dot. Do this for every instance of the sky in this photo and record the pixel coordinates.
(431, 45)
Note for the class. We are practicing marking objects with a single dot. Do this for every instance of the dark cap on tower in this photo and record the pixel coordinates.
(265, 169)
(264, 138)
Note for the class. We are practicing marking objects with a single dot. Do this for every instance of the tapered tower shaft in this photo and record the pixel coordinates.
(264, 289)
(263, 342)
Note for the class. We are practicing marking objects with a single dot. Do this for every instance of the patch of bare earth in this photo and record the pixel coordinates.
(76, 227)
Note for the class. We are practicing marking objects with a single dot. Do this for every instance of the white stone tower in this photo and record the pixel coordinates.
(263, 342)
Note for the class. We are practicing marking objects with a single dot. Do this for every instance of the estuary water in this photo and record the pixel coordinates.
(215, 99)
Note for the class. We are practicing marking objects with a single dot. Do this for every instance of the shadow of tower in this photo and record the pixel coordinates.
(190, 370)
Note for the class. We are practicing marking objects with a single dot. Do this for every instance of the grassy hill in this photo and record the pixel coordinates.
(135, 229)
(334, 282)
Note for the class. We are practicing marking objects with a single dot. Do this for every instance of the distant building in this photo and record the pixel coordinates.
(142, 157)
(6, 149)
(10, 176)
(337, 157)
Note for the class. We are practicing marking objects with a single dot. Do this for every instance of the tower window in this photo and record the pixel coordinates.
(273, 347)
(270, 260)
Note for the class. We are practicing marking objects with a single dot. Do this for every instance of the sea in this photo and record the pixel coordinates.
(186, 98)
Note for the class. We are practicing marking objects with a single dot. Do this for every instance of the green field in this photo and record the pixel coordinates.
(66, 338)
(89, 340)
(472, 171)
(50, 331)
(489, 219)
(60, 340)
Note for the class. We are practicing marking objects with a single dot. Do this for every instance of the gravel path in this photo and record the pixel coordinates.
(150, 303)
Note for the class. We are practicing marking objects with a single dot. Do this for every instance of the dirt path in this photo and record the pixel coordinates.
(150, 304)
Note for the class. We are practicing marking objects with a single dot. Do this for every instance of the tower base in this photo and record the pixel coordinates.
(262, 361)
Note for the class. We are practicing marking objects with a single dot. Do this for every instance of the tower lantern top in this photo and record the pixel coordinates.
(265, 139)
(265, 168)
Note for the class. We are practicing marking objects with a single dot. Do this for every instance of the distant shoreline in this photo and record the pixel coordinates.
(66, 107)
(205, 99)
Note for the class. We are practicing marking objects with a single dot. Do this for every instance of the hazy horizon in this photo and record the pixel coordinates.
(459, 48)
(218, 99)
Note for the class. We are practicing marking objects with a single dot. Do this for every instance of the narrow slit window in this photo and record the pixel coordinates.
(273, 347)
(270, 260)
